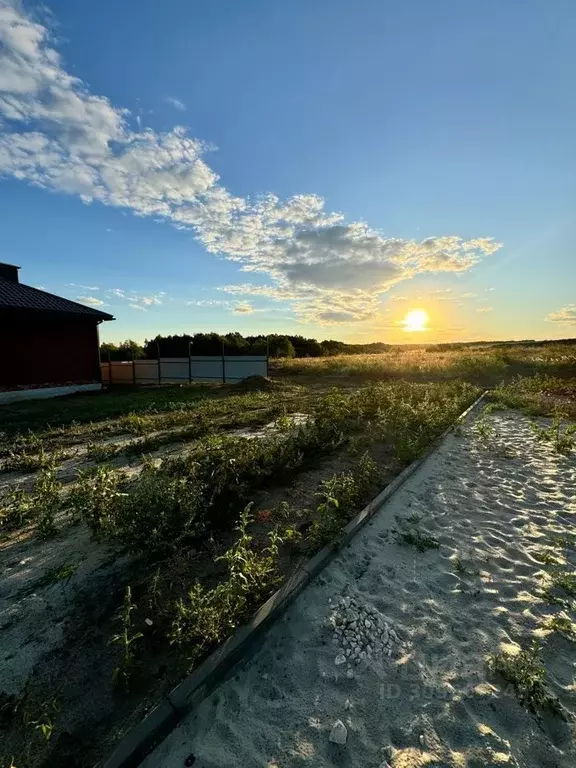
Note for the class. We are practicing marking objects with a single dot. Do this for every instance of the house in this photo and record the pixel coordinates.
(48, 344)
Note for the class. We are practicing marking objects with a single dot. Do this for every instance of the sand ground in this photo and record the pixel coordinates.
(494, 502)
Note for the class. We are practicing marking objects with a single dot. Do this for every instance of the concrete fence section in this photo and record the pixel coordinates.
(175, 370)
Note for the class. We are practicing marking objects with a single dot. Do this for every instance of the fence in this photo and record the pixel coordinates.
(175, 370)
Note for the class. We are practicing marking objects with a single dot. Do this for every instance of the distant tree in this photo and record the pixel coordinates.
(131, 349)
(126, 350)
(234, 343)
(279, 346)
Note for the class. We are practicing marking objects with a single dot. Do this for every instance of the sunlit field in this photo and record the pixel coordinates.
(484, 365)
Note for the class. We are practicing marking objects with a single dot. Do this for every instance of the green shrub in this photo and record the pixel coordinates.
(527, 674)
(190, 495)
(159, 511)
(409, 534)
(561, 438)
(94, 499)
(207, 616)
(40, 507)
(341, 496)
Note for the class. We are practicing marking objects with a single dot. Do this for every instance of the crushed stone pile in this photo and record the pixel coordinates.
(360, 633)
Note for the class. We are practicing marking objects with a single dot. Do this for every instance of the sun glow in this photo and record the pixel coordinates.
(415, 320)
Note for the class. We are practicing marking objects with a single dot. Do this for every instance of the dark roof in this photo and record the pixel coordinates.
(18, 296)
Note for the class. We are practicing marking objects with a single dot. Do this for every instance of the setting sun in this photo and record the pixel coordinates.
(415, 320)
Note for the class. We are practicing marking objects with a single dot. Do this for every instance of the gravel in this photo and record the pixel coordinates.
(360, 633)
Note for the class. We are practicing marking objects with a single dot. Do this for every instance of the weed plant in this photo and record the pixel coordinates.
(527, 674)
(126, 639)
(189, 496)
(562, 438)
(40, 507)
(408, 533)
(206, 616)
(339, 497)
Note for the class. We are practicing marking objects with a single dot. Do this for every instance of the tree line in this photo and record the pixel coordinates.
(275, 345)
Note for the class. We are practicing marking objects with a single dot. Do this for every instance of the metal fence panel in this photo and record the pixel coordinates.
(146, 371)
(176, 370)
(238, 368)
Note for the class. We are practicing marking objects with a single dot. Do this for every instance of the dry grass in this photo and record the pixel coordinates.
(485, 365)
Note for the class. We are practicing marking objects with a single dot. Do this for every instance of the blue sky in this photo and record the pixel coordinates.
(309, 167)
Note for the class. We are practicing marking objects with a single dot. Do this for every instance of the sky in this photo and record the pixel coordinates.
(314, 167)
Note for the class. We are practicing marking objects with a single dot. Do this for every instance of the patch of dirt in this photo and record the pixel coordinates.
(256, 384)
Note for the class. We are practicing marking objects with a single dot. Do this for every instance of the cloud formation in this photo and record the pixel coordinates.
(90, 300)
(244, 308)
(485, 309)
(564, 316)
(59, 136)
(134, 299)
(177, 103)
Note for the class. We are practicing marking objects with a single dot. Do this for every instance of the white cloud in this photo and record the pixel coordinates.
(120, 293)
(59, 136)
(138, 306)
(398, 298)
(91, 300)
(469, 295)
(243, 308)
(177, 103)
(564, 316)
(485, 309)
(84, 287)
(208, 303)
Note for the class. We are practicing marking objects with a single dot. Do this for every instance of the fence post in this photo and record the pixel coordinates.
(267, 354)
(189, 362)
(159, 366)
(133, 370)
(109, 369)
(223, 365)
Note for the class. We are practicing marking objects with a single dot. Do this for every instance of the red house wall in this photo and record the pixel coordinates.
(38, 349)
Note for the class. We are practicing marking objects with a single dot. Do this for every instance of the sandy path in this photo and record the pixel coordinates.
(493, 505)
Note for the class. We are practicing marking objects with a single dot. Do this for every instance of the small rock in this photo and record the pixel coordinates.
(367, 624)
(340, 659)
(362, 655)
(339, 733)
(349, 674)
(347, 704)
